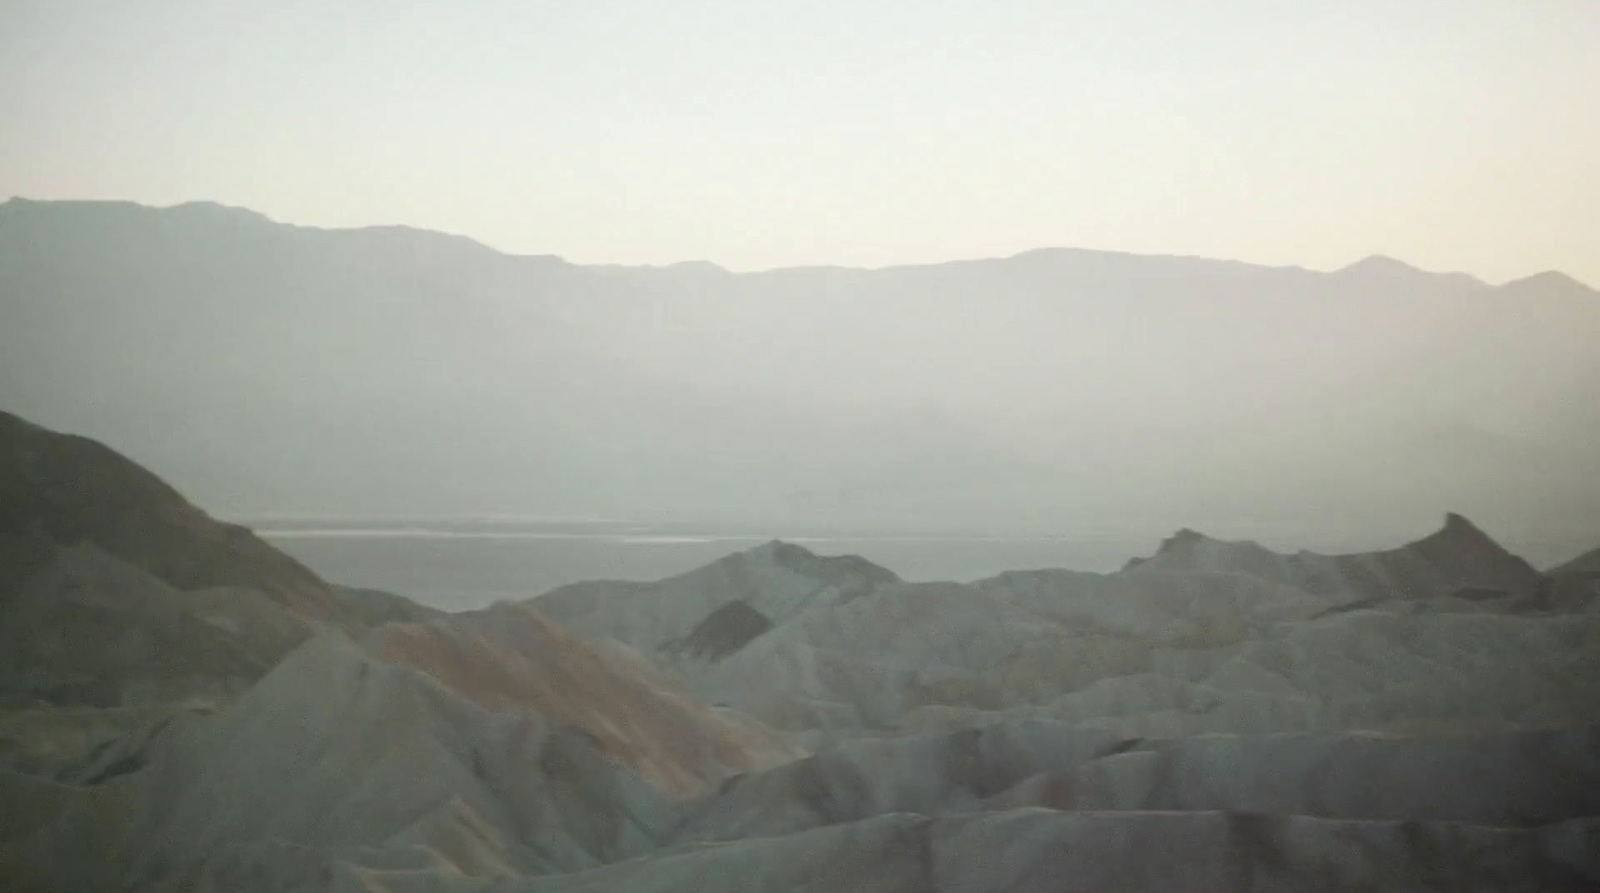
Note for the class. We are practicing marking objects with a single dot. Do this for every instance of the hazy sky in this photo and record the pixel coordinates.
(1457, 134)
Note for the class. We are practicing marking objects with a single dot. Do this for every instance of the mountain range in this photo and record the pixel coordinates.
(276, 369)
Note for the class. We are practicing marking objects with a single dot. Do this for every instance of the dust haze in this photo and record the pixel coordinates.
(280, 370)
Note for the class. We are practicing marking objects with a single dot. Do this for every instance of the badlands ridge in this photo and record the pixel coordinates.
(182, 707)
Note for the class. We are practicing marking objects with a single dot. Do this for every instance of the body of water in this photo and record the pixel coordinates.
(472, 564)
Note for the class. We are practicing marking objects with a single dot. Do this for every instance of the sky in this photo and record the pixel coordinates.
(1453, 134)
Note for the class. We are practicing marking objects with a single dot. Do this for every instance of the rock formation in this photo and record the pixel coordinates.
(1458, 557)
(59, 490)
(188, 708)
(185, 709)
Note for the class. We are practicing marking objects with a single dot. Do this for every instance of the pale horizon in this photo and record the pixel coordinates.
(757, 136)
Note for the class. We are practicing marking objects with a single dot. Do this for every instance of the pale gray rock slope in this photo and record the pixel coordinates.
(486, 745)
(89, 629)
(928, 773)
(1218, 717)
(336, 755)
(1512, 779)
(1164, 728)
(1354, 670)
(493, 751)
(776, 581)
(512, 660)
(185, 708)
(1450, 631)
(1049, 851)
(1457, 557)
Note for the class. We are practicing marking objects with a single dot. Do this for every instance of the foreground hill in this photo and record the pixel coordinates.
(1218, 717)
(194, 708)
(124, 607)
(58, 491)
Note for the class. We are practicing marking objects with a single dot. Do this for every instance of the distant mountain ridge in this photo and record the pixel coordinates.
(270, 368)
(1374, 264)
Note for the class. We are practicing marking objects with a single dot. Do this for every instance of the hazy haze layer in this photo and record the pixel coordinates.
(1457, 135)
(277, 369)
